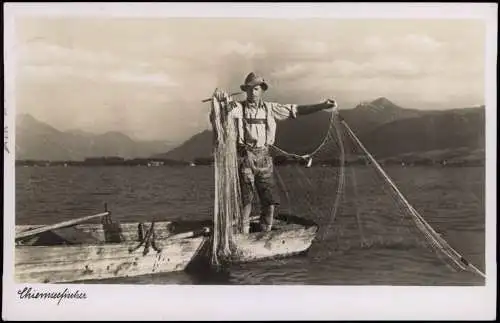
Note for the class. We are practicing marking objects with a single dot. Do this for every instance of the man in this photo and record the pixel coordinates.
(256, 124)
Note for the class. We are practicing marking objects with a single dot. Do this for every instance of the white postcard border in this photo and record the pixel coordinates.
(170, 302)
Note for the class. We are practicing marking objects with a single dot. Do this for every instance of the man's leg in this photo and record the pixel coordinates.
(247, 210)
(269, 199)
(267, 217)
(247, 188)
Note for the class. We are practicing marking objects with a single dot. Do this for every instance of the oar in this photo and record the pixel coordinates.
(63, 224)
(189, 234)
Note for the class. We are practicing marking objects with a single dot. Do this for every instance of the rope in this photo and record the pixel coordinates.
(341, 177)
(426, 229)
(222, 236)
(358, 216)
(399, 199)
(148, 240)
(317, 149)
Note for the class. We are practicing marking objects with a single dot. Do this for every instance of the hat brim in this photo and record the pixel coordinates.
(245, 87)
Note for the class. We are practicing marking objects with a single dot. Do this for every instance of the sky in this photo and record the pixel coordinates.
(146, 77)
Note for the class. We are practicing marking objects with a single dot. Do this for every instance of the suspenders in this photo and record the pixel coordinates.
(255, 120)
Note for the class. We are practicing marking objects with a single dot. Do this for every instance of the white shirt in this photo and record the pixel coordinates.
(255, 132)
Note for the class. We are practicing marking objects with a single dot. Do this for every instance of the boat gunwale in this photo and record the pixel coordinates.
(289, 219)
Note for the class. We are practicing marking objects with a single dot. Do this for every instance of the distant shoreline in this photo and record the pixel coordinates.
(104, 161)
(209, 162)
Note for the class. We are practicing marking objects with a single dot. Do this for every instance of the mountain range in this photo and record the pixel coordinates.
(386, 130)
(39, 141)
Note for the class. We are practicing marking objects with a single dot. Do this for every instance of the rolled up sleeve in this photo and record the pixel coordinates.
(284, 111)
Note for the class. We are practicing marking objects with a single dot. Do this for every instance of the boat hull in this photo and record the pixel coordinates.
(274, 244)
(93, 252)
(48, 259)
(50, 264)
(290, 237)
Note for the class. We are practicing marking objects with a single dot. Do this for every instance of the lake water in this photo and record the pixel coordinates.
(450, 199)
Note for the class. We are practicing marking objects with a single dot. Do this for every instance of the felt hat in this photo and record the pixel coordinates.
(252, 80)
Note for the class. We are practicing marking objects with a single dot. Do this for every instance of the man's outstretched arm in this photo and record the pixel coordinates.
(307, 109)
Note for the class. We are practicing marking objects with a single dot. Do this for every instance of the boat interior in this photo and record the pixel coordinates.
(109, 232)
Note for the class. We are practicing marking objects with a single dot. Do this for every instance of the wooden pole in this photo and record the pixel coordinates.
(204, 230)
(210, 99)
(63, 224)
(189, 234)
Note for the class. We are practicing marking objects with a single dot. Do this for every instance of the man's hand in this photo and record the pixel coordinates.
(307, 109)
(221, 95)
(330, 104)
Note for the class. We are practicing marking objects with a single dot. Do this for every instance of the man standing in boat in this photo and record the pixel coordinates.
(256, 121)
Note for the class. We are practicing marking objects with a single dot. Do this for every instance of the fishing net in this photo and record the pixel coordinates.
(355, 202)
(227, 209)
(336, 183)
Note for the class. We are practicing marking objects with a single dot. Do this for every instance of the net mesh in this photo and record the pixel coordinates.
(338, 184)
(355, 202)
(227, 199)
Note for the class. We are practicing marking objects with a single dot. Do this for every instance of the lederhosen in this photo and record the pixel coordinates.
(256, 164)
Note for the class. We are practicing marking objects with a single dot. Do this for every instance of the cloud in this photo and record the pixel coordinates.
(390, 66)
(342, 68)
(373, 43)
(289, 71)
(60, 72)
(47, 53)
(420, 42)
(309, 47)
(35, 72)
(246, 49)
(148, 45)
(161, 79)
(407, 44)
(44, 61)
(148, 63)
(401, 56)
(386, 66)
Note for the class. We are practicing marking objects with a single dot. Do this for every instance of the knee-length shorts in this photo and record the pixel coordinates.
(257, 174)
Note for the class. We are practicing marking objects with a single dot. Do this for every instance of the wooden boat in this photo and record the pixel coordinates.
(291, 236)
(106, 250)
(73, 251)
